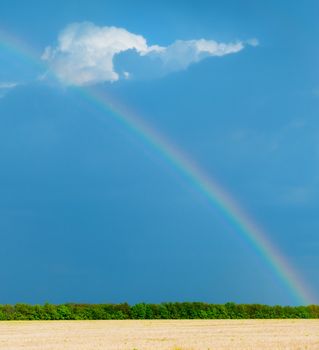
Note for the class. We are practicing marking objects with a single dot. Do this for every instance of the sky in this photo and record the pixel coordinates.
(91, 212)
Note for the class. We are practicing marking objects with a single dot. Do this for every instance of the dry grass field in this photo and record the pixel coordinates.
(160, 335)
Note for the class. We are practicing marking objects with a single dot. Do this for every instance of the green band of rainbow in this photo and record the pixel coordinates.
(209, 188)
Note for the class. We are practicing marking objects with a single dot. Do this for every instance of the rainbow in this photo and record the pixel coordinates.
(14, 45)
(204, 184)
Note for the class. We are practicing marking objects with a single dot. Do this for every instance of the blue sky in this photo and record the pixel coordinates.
(90, 213)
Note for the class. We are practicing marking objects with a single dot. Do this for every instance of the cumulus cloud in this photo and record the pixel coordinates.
(181, 54)
(86, 54)
(7, 86)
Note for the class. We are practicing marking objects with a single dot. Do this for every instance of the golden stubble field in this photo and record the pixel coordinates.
(160, 335)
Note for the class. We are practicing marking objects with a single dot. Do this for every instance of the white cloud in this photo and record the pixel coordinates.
(85, 53)
(181, 54)
(6, 86)
(253, 42)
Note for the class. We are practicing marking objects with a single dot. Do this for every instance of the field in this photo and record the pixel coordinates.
(160, 335)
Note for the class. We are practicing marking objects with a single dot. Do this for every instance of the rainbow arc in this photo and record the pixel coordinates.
(197, 178)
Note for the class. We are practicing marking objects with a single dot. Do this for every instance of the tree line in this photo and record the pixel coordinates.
(124, 311)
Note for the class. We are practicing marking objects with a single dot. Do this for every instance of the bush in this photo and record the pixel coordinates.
(143, 311)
